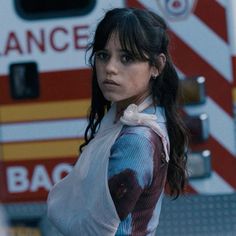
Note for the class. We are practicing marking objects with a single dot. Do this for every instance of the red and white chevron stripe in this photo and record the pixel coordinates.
(202, 44)
(231, 19)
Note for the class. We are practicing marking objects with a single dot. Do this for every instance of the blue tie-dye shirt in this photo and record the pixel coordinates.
(137, 174)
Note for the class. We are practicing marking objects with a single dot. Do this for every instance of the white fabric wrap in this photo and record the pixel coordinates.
(132, 116)
(81, 204)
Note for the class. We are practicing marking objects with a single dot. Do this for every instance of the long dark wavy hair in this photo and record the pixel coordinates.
(144, 35)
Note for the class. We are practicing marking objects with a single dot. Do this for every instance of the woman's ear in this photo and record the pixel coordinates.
(161, 61)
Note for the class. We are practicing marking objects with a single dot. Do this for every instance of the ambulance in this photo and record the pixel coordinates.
(45, 94)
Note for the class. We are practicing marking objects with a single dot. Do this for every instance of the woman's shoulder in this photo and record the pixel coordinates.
(158, 111)
(140, 131)
(142, 136)
(146, 131)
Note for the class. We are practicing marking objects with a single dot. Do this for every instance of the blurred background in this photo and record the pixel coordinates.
(45, 95)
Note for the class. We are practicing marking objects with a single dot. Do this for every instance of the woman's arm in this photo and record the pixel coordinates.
(130, 168)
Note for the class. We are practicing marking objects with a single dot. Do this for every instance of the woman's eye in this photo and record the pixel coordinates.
(103, 56)
(126, 58)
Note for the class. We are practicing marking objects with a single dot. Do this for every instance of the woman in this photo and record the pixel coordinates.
(135, 141)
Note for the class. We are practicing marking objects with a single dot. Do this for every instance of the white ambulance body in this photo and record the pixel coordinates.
(45, 86)
(45, 91)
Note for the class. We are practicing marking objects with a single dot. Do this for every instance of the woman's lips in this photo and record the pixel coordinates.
(110, 82)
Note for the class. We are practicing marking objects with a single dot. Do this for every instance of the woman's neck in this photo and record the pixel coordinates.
(122, 105)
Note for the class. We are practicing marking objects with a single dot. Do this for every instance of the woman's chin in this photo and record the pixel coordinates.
(111, 98)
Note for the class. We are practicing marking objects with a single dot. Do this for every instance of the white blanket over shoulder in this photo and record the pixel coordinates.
(81, 204)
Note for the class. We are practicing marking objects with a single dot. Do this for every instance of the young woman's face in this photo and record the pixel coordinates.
(121, 77)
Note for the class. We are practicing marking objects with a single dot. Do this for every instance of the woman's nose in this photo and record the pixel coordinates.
(112, 66)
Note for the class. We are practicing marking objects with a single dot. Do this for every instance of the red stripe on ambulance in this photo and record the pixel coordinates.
(215, 23)
(193, 63)
(50, 80)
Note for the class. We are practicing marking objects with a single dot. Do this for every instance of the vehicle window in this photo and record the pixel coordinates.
(24, 80)
(44, 9)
